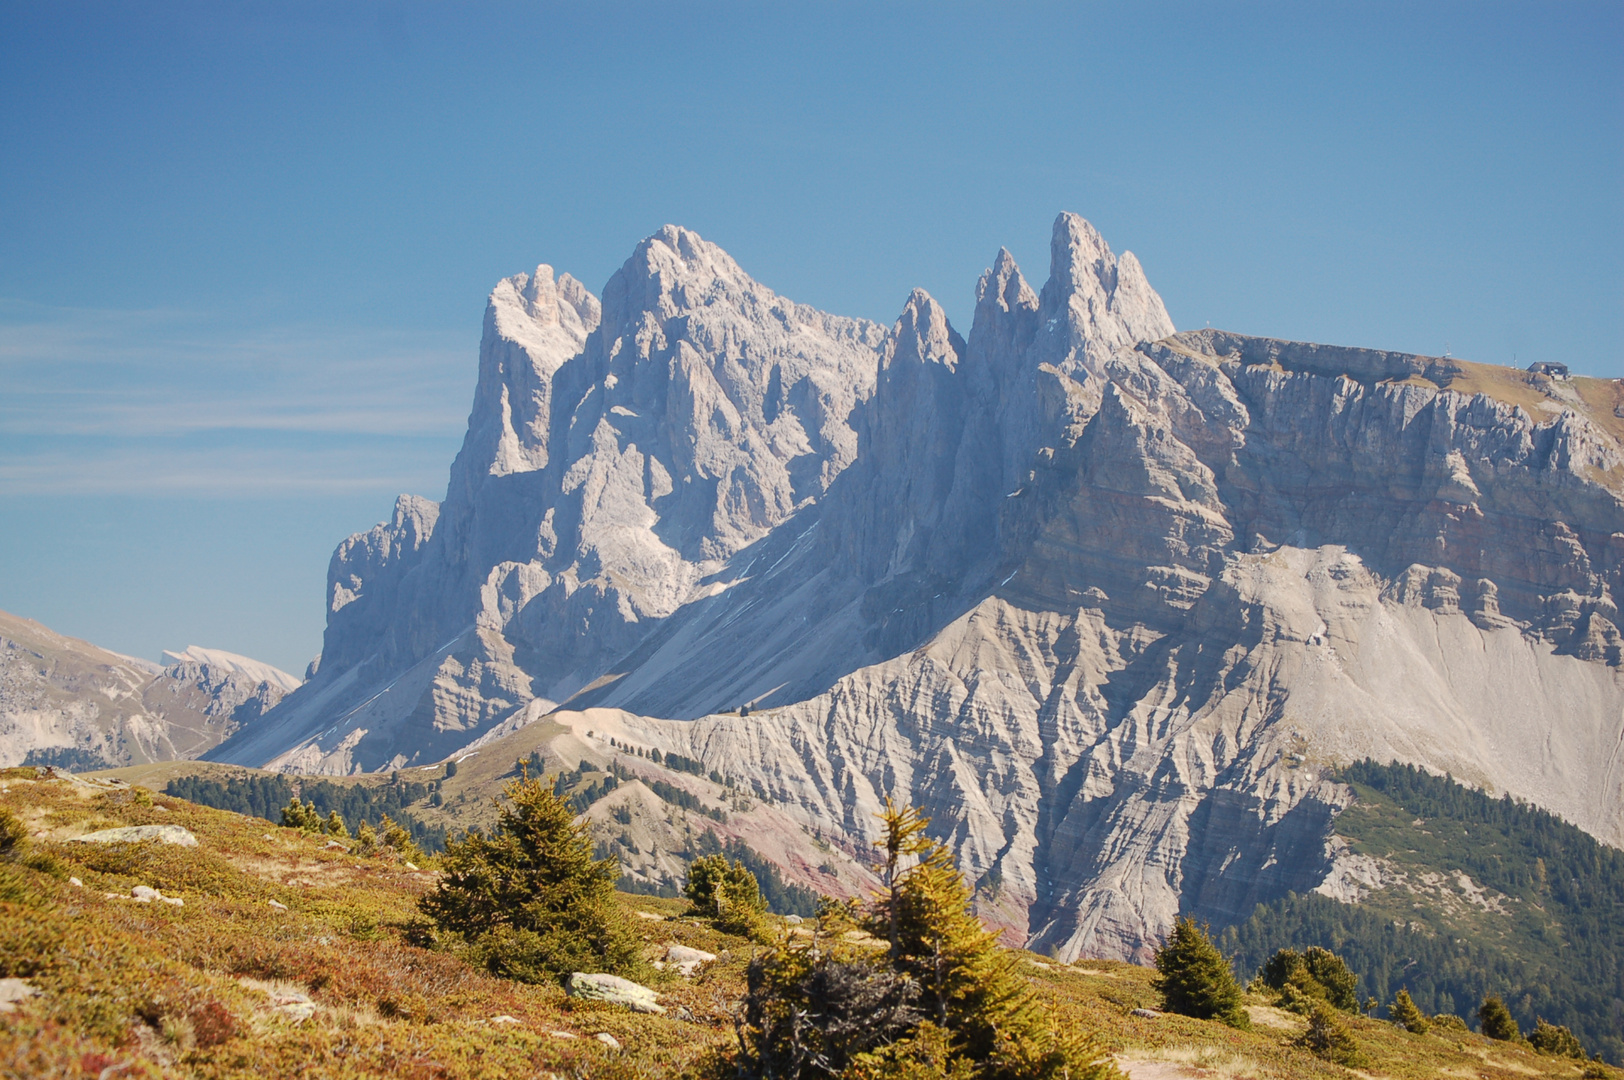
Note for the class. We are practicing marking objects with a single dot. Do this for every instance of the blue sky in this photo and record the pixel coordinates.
(244, 248)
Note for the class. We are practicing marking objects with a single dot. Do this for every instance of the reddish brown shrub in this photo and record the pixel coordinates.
(212, 1024)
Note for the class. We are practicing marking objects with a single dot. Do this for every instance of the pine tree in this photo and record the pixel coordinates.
(394, 836)
(1496, 1020)
(944, 1000)
(728, 895)
(301, 816)
(1328, 969)
(1555, 1039)
(1195, 979)
(1327, 1037)
(529, 896)
(1406, 1015)
(1315, 974)
(969, 987)
(334, 826)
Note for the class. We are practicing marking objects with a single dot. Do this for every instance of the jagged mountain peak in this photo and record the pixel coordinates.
(552, 301)
(674, 272)
(1002, 285)
(1087, 590)
(923, 333)
(1106, 300)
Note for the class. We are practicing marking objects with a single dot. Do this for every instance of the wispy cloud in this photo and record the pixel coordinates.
(96, 399)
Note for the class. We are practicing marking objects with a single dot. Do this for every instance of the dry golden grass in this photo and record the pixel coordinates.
(149, 990)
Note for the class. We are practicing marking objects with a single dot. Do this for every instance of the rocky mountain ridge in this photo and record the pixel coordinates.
(1103, 597)
(66, 702)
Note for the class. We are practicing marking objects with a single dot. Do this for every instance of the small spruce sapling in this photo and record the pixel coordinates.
(1496, 1020)
(529, 897)
(970, 988)
(395, 837)
(1195, 979)
(728, 895)
(301, 816)
(1405, 1014)
(1555, 1040)
(1328, 1037)
(1313, 975)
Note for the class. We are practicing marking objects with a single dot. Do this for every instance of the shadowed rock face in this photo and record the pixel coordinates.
(1104, 598)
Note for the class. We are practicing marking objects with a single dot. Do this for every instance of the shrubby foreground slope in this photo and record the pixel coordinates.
(289, 957)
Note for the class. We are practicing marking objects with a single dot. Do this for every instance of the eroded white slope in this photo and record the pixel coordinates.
(1096, 827)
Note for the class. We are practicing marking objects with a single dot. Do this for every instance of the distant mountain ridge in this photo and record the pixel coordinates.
(1101, 596)
(68, 703)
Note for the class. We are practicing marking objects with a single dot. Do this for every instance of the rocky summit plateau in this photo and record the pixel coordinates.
(1106, 599)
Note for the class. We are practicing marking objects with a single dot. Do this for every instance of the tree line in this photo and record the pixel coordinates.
(265, 796)
(1566, 964)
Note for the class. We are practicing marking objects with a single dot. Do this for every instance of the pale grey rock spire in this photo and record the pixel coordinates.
(534, 324)
(1093, 302)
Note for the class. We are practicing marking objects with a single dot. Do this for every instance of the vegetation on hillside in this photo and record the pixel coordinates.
(1195, 979)
(938, 997)
(782, 897)
(290, 958)
(264, 795)
(727, 895)
(1303, 979)
(1544, 929)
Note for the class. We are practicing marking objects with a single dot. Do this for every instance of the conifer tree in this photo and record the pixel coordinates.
(969, 987)
(1195, 979)
(1496, 1019)
(301, 816)
(529, 896)
(944, 1000)
(394, 836)
(728, 895)
(1327, 1037)
(1555, 1039)
(1328, 969)
(1405, 1014)
(1315, 974)
(334, 826)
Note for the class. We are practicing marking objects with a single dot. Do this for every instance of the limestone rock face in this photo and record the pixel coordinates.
(617, 456)
(67, 702)
(1105, 598)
